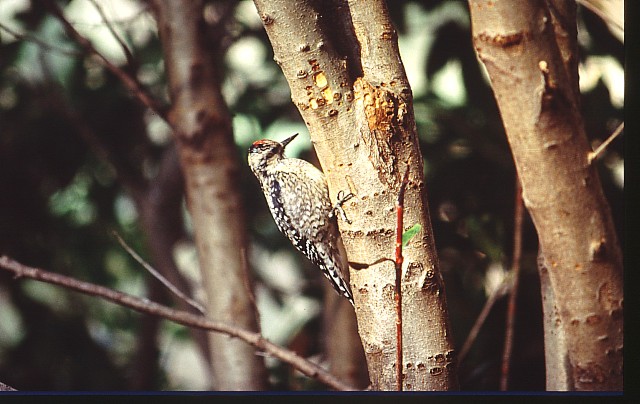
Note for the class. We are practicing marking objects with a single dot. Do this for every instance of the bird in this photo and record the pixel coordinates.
(298, 198)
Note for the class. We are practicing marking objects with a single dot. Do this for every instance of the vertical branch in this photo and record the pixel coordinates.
(378, 38)
(203, 133)
(398, 265)
(513, 296)
(538, 100)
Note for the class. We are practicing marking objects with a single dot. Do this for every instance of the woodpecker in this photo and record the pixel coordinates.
(298, 197)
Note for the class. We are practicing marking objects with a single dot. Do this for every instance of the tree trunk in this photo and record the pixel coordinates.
(203, 134)
(350, 87)
(160, 205)
(529, 49)
(556, 354)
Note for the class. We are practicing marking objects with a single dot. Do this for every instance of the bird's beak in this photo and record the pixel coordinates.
(288, 140)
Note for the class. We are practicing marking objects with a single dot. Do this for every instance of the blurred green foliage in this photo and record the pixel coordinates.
(60, 200)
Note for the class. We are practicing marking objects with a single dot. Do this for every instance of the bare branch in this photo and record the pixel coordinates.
(123, 45)
(379, 44)
(32, 38)
(398, 265)
(562, 192)
(181, 317)
(594, 154)
(159, 276)
(130, 82)
(497, 293)
(518, 217)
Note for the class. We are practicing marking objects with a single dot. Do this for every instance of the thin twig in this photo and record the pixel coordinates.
(130, 82)
(39, 42)
(178, 316)
(594, 154)
(398, 265)
(515, 272)
(497, 293)
(123, 45)
(159, 276)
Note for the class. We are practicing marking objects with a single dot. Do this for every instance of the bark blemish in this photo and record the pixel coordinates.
(616, 314)
(327, 94)
(388, 291)
(605, 297)
(413, 269)
(435, 371)
(450, 355)
(589, 373)
(598, 250)
(593, 319)
(504, 41)
(429, 281)
(320, 80)
(266, 19)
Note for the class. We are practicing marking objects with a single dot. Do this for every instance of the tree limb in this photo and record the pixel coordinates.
(536, 92)
(174, 289)
(130, 82)
(513, 295)
(181, 317)
(358, 107)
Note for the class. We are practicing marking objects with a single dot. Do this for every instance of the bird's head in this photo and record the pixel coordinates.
(265, 152)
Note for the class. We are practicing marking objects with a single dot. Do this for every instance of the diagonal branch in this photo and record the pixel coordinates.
(43, 44)
(594, 154)
(181, 317)
(496, 294)
(158, 275)
(130, 82)
(123, 45)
